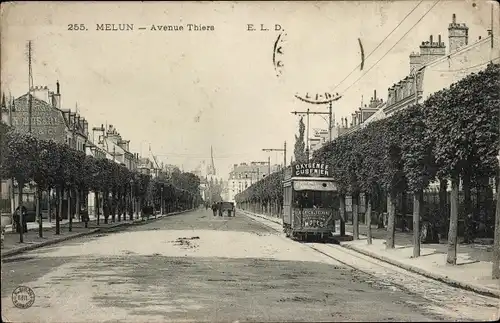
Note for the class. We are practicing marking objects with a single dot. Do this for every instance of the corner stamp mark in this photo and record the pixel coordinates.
(23, 297)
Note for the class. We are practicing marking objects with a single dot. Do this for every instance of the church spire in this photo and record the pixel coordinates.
(212, 170)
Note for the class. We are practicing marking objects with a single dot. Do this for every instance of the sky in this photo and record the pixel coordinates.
(182, 92)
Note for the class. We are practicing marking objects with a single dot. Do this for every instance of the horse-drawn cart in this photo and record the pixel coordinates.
(227, 207)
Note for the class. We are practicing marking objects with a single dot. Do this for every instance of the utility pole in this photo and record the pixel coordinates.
(336, 97)
(284, 155)
(283, 150)
(269, 165)
(302, 113)
(330, 121)
(30, 86)
(492, 25)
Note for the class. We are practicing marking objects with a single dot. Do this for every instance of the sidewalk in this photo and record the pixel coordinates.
(473, 269)
(45, 224)
(472, 272)
(11, 245)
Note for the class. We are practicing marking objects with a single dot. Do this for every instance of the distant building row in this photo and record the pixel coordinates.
(49, 121)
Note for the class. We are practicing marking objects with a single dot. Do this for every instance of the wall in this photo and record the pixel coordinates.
(444, 72)
(47, 123)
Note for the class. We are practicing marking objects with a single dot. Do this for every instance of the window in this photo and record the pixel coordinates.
(311, 199)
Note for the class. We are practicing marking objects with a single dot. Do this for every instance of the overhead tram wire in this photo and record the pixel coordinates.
(359, 78)
(380, 44)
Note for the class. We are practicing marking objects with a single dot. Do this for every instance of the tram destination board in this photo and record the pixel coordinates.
(312, 170)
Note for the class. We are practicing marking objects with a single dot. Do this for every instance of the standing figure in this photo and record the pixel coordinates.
(219, 206)
(17, 219)
(214, 209)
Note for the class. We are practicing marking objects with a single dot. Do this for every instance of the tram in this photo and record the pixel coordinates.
(310, 202)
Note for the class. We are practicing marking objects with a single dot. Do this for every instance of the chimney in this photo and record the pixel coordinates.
(56, 98)
(458, 34)
(375, 95)
(430, 39)
(439, 40)
(41, 93)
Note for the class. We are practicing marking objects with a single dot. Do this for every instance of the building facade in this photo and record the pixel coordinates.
(363, 115)
(47, 121)
(244, 175)
(430, 70)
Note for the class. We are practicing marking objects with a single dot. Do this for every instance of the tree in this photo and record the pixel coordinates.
(371, 144)
(418, 162)
(463, 121)
(299, 149)
(45, 173)
(392, 177)
(18, 162)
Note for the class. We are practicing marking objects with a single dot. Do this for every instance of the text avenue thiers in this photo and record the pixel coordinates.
(131, 27)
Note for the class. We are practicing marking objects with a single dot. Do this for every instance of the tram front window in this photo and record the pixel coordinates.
(315, 199)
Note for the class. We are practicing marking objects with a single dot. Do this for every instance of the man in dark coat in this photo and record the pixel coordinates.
(17, 219)
(214, 209)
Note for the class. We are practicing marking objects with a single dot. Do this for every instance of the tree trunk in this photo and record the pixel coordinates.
(70, 211)
(443, 210)
(417, 210)
(105, 206)
(496, 243)
(60, 209)
(380, 213)
(342, 215)
(49, 206)
(119, 206)
(368, 217)
(131, 209)
(391, 221)
(452, 234)
(140, 208)
(39, 212)
(77, 204)
(97, 206)
(21, 216)
(355, 216)
(404, 211)
(468, 220)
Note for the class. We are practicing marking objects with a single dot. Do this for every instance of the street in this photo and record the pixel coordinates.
(194, 266)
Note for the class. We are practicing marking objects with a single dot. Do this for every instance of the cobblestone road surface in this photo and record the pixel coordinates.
(194, 266)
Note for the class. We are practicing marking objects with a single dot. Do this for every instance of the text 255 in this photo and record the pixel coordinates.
(77, 27)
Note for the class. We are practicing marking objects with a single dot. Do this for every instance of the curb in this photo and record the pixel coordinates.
(20, 250)
(17, 251)
(452, 282)
(261, 216)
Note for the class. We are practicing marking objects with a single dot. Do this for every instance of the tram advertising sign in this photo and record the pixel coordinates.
(312, 170)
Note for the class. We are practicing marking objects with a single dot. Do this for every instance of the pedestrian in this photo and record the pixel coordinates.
(17, 219)
(214, 209)
(219, 206)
